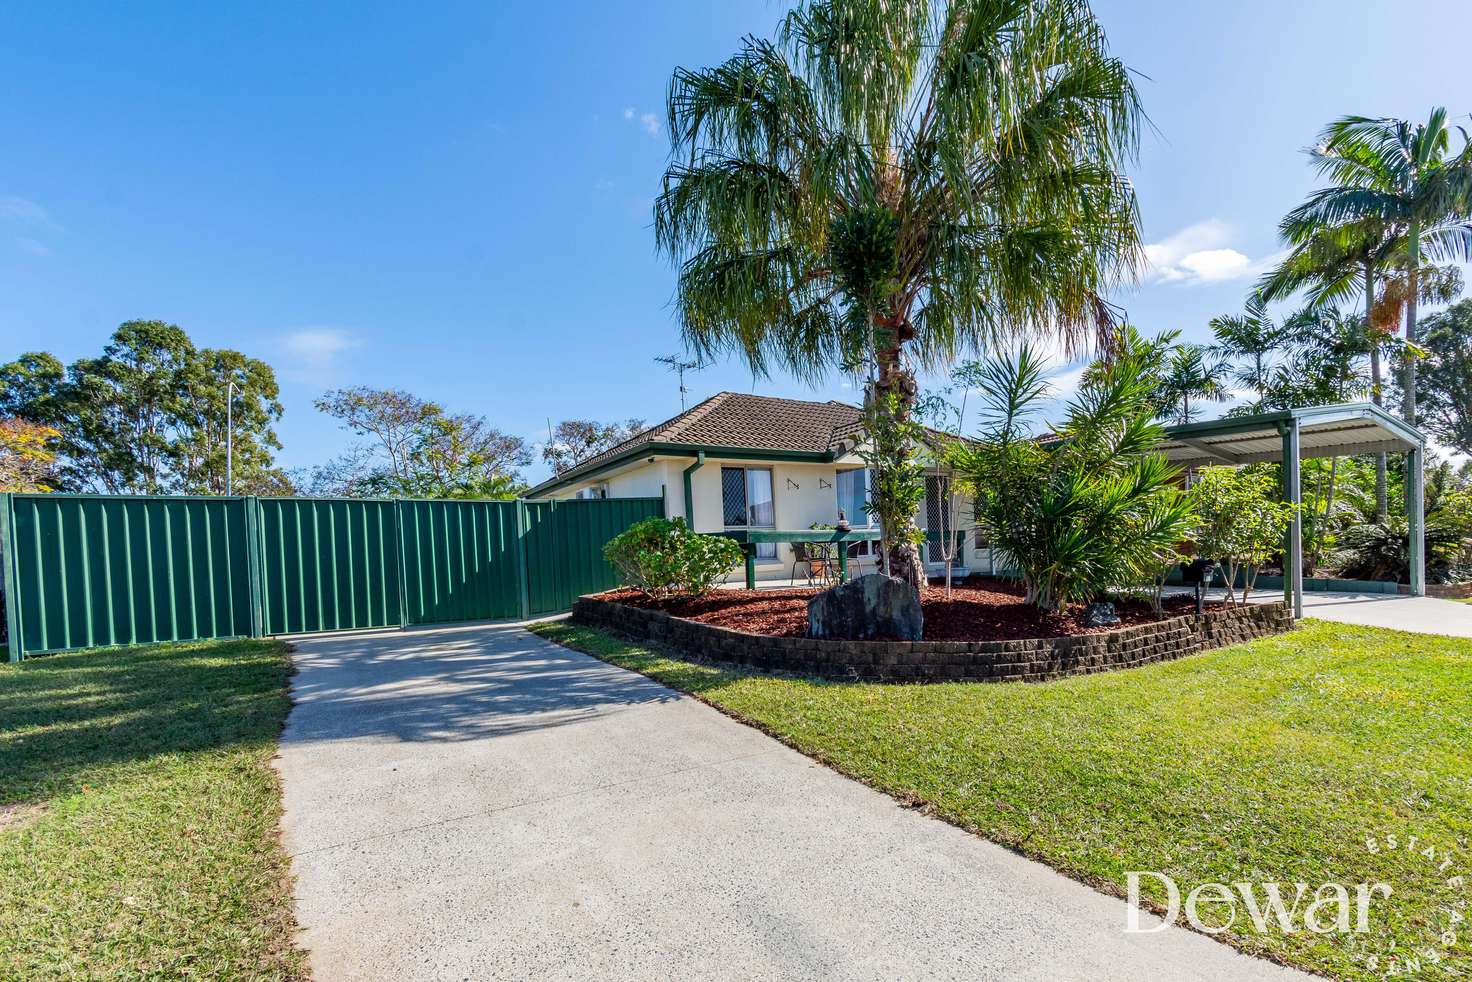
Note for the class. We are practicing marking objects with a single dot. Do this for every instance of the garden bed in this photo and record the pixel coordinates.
(979, 609)
(685, 627)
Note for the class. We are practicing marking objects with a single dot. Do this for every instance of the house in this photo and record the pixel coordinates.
(740, 461)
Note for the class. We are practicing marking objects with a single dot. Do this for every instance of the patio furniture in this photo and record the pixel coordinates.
(842, 536)
(818, 562)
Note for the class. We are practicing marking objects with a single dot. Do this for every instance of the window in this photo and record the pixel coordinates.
(596, 491)
(746, 502)
(853, 493)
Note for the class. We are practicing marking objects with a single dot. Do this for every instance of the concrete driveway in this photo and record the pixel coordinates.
(476, 803)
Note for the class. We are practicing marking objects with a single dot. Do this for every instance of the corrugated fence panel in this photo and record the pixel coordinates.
(328, 564)
(92, 570)
(97, 570)
(564, 546)
(460, 560)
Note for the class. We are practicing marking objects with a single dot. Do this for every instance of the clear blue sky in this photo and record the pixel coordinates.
(455, 199)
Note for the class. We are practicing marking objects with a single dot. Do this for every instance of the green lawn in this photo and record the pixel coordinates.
(1272, 761)
(138, 815)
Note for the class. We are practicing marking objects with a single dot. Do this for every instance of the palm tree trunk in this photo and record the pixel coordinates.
(1414, 277)
(895, 380)
(1382, 494)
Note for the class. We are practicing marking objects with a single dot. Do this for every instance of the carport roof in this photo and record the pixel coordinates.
(1323, 431)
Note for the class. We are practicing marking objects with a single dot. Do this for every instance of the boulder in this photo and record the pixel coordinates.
(1099, 615)
(871, 606)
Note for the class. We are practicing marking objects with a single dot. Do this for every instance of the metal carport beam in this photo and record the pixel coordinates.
(1215, 453)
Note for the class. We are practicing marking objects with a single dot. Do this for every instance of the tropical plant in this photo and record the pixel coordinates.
(1240, 522)
(1192, 372)
(1092, 509)
(889, 184)
(660, 557)
(1398, 194)
(1252, 335)
(1381, 551)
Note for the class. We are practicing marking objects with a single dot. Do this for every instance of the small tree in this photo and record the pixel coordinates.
(1240, 521)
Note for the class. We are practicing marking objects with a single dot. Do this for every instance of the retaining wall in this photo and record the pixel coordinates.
(1032, 660)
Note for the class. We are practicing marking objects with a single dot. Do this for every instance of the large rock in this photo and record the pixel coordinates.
(872, 606)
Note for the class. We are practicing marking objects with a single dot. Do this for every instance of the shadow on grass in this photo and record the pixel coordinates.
(68, 721)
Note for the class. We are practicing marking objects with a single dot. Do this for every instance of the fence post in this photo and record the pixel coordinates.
(403, 568)
(255, 559)
(523, 583)
(11, 584)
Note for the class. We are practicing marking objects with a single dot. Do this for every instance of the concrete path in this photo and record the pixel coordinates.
(476, 803)
(1422, 615)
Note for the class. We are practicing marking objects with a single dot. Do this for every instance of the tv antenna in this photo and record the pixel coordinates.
(679, 366)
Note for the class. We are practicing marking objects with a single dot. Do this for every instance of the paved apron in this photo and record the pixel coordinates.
(476, 803)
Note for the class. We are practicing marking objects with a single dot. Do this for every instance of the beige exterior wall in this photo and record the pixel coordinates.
(803, 493)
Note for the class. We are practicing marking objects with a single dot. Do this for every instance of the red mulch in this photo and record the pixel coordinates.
(980, 609)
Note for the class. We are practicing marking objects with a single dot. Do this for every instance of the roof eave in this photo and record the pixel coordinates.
(662, 449)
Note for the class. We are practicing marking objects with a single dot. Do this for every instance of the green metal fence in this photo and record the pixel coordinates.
(85, 571)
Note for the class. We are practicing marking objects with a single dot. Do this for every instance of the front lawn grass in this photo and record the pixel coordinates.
(1271, 761)
(139, 815)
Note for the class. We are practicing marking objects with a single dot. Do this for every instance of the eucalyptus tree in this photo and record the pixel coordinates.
(1397, 190)
(894, 183)
(1252, 335)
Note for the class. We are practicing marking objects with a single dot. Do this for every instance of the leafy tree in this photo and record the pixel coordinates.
(1096, 508)
(896, 183)
(1241, 520)
(1446, 399)
(148, 415)
(27, 456)
(1401, 190)
(575, 440)
(255, 405)
(417, 450)
(1193, 372)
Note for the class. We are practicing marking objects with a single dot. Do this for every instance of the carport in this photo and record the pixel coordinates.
(1291, 435)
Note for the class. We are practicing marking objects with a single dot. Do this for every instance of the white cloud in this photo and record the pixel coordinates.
(648, 121)
(315, 353)
(1202, 253)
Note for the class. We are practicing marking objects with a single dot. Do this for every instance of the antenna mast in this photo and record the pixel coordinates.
(679, 366)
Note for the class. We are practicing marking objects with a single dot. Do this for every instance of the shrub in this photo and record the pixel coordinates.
(1094, 509)
(661, 557)
(1241, 521)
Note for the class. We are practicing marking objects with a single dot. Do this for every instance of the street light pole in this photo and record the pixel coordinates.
(230, 437)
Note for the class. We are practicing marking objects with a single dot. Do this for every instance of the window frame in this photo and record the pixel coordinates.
(765, 551)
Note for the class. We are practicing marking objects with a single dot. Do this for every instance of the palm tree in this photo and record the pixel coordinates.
(1397, 193)
(895, 184)
(1193, 372)
(1252, 335)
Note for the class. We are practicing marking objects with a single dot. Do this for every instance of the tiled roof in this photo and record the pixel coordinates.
(744, 422)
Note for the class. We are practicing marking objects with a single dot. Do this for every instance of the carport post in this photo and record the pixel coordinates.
(1416, 518)
(1293, 494)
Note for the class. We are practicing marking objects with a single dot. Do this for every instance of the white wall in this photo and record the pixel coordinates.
(803, 494)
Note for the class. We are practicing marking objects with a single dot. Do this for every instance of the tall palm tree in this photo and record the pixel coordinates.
(1193, 372)
(896, 183)
(1397, 191)
(1252, 335)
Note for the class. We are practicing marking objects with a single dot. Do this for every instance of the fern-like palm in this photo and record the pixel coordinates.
(895, 182)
